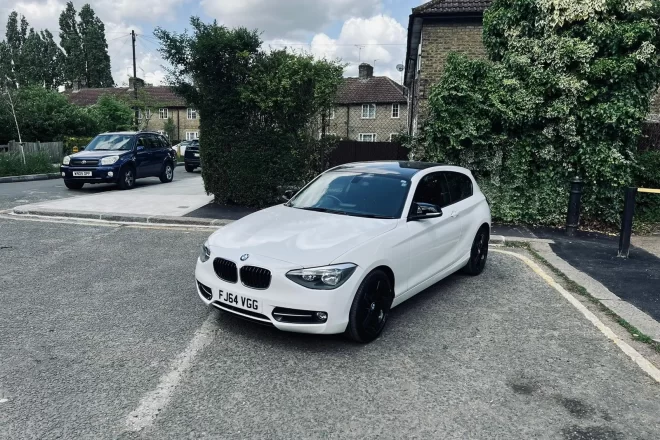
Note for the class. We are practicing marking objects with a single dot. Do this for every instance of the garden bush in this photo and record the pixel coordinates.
(258, 110)
(564, 92)
(11, 164)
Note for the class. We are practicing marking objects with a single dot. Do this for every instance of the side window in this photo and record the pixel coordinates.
(154, 142)
(164, 142)
(432, 189)
(142, 142)
(460, 186)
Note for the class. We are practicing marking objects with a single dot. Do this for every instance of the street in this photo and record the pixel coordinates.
(102, 335)
(23, 193)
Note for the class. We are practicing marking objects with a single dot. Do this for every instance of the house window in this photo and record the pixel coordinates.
(192, 135)
(368, 111)
(192, 113)
(147, 113)
(163, 113)
(367, 137)
(395, 111)
(393, 136)
(327, 134)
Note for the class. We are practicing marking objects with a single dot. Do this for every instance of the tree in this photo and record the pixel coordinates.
(256, 109)
(16, 35)
(564, 93)
(53, 60)
(95, 49)
(87, 62)
(112, 114)
(170, 129)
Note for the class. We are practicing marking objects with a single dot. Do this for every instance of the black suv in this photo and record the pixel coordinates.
(120, 158)
(191, 158)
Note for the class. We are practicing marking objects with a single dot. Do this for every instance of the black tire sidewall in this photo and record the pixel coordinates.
(122, 178)
(470, 268)
(163, 176)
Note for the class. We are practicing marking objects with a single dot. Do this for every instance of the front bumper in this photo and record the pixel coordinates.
(281, 294)
(194, 161)
(99, 174)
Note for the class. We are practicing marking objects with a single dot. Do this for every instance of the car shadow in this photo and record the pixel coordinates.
(98, 188)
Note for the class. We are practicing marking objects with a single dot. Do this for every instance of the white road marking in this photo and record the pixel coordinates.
(155, 401)
(640, 360)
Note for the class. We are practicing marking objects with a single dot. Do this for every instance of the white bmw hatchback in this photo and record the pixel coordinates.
(354, 243)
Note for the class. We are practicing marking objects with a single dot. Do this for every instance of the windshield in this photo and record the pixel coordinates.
(354, 193)
(113, 142)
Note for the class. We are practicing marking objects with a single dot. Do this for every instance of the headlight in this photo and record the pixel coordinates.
(109, 160)
(322, 278)
(66, 160)
(204, 253)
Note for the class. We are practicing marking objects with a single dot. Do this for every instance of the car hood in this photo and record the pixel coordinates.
(304, 238)
(96, 154)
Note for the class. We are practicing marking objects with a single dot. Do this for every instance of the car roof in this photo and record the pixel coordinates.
(405, 169)
(131, 133)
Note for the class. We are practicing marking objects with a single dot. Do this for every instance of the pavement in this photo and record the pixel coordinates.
(173, 199)
(116, 344)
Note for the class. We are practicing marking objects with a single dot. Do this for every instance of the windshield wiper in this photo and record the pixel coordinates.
(329, 211)
(351, 214)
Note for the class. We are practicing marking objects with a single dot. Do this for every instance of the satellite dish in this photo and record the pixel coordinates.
(400, 67)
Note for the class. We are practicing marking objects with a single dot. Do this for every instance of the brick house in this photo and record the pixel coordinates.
(160, 103)
(368, 108)
(435, 29)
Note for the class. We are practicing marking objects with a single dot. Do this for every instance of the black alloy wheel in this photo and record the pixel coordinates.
(371, 307)
(478, 253)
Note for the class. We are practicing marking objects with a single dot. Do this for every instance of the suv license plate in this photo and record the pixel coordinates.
(82, 174)
(239, 301)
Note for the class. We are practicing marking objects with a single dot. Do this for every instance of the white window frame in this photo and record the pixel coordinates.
(332, 113)
(192, 135)
(327, 133)
(163, 113)
(392, 135)
(368, 108)
(141, 114)
(192, 114)
(362, 136)
(398, 111)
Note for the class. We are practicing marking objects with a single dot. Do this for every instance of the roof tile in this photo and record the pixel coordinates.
(452, 6)
(377, 90)
(164, 96)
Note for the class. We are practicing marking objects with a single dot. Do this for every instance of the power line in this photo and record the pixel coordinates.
(117, 38)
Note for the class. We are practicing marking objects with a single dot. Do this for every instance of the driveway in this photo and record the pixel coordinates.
(102, 336)
(23, 193)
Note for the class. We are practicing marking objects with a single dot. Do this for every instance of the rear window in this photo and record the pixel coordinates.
(460, 186)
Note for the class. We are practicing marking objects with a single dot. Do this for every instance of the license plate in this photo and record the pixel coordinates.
(240, 301)
(82, 174)
(196, 154)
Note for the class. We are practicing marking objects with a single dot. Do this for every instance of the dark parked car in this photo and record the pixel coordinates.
(120, 158)
(191, 158)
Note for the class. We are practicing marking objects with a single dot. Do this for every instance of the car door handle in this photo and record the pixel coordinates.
(454, 214)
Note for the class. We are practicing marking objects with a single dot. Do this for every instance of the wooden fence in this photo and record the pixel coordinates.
(54, 150)
(353, 151)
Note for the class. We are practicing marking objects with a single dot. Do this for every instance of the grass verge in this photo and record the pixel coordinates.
(11, 164)
(576, 288)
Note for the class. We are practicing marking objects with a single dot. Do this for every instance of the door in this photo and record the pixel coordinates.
(159, 152)
(463, 204)
(432, 241)
(143, 157)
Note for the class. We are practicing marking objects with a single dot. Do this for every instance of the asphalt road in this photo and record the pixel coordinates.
(24, 193)
(93, 319)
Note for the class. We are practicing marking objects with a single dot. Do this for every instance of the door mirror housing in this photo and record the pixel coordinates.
(423, 211)
(288, 194)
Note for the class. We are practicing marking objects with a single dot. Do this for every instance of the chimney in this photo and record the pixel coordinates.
(366, 71)
(139, 82)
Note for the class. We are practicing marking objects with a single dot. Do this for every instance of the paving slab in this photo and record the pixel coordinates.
(174, 199)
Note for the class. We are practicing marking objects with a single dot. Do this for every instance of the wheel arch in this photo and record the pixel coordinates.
(389, 272)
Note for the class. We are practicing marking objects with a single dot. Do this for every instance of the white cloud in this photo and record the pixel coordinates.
(380, 38)
(288, 18)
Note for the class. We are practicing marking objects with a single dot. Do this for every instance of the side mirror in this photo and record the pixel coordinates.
(423, 211)
(287, 195)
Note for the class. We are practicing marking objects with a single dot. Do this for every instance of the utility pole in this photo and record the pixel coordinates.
(135, 93)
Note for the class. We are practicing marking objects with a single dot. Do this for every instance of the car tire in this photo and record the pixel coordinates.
(73, 185)
(371, 307)
(167, 174)
(126, 178)
(478, 253)
(190, 168)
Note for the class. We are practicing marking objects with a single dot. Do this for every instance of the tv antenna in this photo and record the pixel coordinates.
(400, 68)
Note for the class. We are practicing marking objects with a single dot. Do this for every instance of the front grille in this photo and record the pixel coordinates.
(225, 270)
(255, 277)
(246, 314)
(88, 162)
(205, 291)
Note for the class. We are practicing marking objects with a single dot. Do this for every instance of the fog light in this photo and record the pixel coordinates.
(321, 316)
(63, 174)
(110, 174)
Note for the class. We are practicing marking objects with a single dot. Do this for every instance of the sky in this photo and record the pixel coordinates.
(372, 31)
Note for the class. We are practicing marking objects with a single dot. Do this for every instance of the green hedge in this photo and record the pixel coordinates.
(11, 164)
